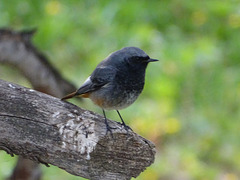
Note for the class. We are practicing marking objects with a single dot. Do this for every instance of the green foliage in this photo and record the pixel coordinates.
(190, 105)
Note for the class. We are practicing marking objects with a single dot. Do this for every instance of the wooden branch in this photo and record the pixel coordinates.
(50, 131)
(16, 49)
(26, 169)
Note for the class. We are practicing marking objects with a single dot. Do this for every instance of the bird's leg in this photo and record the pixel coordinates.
(107, 125)
(123, 123)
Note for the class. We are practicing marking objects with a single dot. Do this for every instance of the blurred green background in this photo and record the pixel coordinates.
(190, 107)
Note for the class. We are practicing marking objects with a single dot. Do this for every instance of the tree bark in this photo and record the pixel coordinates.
(50, 131)
(26, 169)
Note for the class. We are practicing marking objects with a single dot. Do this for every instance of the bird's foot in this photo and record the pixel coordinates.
(126, 127)
(109, 129)
(123, 123)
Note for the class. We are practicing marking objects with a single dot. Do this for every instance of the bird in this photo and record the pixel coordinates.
(116, 82)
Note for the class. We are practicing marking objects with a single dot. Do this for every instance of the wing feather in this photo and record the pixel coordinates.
(100, 77)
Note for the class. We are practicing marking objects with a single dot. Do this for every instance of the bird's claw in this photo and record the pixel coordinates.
(109, 129)
(126, 127)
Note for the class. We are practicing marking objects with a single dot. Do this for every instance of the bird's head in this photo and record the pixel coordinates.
(133, 56)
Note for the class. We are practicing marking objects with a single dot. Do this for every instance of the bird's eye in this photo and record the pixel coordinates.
(142, 58)
(138, 59)
(146, 58)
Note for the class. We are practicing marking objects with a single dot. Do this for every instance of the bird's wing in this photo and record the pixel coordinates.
(100, 76)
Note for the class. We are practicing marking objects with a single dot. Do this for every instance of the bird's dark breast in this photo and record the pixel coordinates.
(126, 90)
(131, 80)
(121, 92)
(131, 85)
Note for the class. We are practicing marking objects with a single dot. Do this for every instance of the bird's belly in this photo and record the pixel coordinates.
(126, 100)
(117, 99)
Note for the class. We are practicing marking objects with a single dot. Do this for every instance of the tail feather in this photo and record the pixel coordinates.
(70, 95)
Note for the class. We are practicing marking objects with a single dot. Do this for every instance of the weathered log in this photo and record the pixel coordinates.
(50, 131)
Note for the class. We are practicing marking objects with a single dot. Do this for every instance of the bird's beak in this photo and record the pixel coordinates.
(152, 60)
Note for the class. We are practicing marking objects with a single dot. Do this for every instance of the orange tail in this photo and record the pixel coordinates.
(69, 95)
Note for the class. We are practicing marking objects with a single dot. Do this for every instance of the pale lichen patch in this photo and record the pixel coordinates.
(11, 86)
(70, 115)
(89, 115)
(79, 135)
(55, 114)
(63, 145)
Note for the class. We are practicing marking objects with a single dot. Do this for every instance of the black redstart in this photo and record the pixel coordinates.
(117, 81)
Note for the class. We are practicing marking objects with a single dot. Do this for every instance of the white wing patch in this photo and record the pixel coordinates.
(88, 81)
